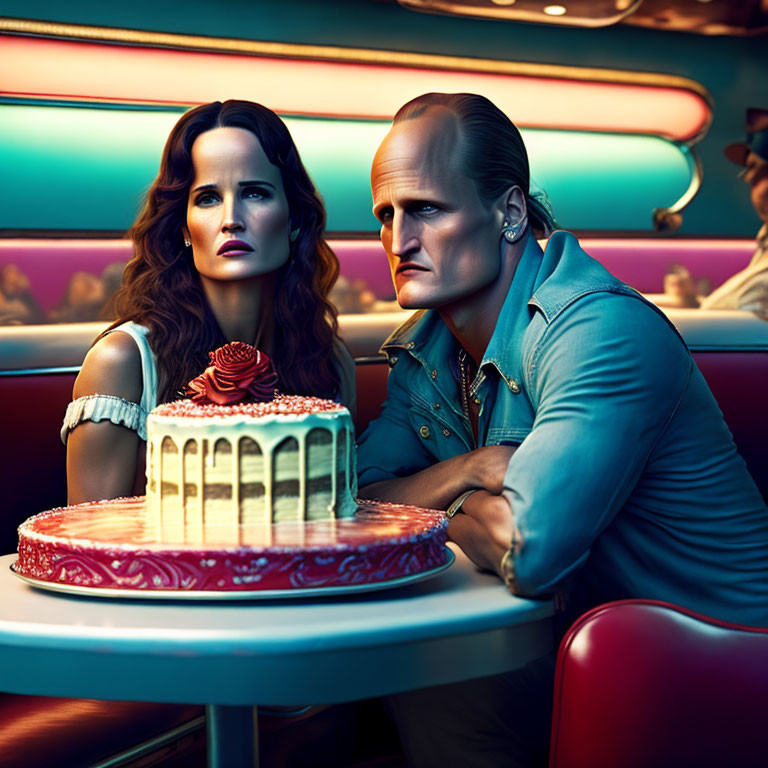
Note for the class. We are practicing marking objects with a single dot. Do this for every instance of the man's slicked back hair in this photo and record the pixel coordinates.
(493, 154)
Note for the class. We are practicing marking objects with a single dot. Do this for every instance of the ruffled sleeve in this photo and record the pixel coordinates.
(105, 407)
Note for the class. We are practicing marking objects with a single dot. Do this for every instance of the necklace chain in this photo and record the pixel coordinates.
(464, 382)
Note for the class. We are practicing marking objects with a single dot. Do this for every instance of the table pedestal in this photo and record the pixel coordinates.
(232, 736)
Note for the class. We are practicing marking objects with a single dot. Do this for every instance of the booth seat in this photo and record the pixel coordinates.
(45, 731)
(647, 684)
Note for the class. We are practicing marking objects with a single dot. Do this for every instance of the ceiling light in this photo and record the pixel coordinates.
(573, 13)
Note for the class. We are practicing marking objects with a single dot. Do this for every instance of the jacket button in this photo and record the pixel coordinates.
(446, 431)
(409, 345)
(392, 361)
(434, 373)
(424, 431)
(514, 387)
(436, 406)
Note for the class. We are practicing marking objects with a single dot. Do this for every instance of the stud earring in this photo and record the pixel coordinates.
(187, 242)
(509, 232)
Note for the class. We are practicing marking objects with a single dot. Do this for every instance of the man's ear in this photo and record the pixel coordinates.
(515, 209)
(515, 214)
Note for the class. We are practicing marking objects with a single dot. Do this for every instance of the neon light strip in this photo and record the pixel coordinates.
(87, 169)
(337, 53)
(41, 68)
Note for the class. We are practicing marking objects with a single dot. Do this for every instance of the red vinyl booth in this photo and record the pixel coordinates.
(646, 684)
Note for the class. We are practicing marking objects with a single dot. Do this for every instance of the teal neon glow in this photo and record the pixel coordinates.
(88, 169)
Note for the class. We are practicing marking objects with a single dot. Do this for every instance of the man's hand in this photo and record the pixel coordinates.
(484, 530)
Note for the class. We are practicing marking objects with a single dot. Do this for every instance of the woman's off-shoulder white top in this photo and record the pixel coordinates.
(116, 409)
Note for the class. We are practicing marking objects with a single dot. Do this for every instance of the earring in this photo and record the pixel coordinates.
(187, 242)
(509, 232)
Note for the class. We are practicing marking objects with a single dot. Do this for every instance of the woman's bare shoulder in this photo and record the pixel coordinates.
(111, 367)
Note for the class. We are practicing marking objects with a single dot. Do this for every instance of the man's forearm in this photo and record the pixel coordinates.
(434, 487)
(437, 486)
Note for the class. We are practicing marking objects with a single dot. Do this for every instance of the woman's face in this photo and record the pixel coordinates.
(237, 213)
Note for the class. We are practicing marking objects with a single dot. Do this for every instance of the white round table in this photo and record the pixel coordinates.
(230, 656)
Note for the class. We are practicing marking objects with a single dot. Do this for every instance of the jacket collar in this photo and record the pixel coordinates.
(544, 281)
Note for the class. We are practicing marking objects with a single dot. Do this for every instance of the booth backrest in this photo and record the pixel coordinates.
(33, 470)
(643, 683)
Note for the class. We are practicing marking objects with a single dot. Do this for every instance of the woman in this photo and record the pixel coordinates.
(228, 247)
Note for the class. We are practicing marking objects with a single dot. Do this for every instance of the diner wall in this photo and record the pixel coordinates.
(87, 168)
(731, 69)
(83, 123)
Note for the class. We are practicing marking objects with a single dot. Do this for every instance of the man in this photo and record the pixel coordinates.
(747, 289)
(557, 416)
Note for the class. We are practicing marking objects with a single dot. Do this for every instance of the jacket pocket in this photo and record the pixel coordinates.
(440, 437)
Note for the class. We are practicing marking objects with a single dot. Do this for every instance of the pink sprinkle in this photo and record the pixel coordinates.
(282, 404)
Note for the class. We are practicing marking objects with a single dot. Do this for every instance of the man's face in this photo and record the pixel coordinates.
(756, 175)
(441, 239)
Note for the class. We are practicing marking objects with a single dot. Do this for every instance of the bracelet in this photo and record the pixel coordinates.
(457, 503)
(508, 571)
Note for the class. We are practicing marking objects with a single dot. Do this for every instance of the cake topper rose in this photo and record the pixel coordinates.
(238, 372)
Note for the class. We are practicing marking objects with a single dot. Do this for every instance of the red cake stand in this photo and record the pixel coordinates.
(113, 549)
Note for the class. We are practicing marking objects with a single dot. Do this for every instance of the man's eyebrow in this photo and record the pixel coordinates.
(417, 196)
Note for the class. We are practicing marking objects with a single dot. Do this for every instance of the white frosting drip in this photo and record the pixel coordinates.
(207, 476)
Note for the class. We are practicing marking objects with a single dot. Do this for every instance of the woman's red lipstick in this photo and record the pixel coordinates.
(234, 247)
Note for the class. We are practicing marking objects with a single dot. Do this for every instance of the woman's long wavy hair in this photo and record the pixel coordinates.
(161, 288)
(493, 152)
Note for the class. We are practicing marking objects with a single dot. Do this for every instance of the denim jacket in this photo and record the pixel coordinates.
(626, 481)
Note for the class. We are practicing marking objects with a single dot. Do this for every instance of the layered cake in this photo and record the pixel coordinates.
(246, 490)
(287, 460)
(235, 452)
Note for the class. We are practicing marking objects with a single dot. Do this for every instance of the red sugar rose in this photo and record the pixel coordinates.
(238, 372)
